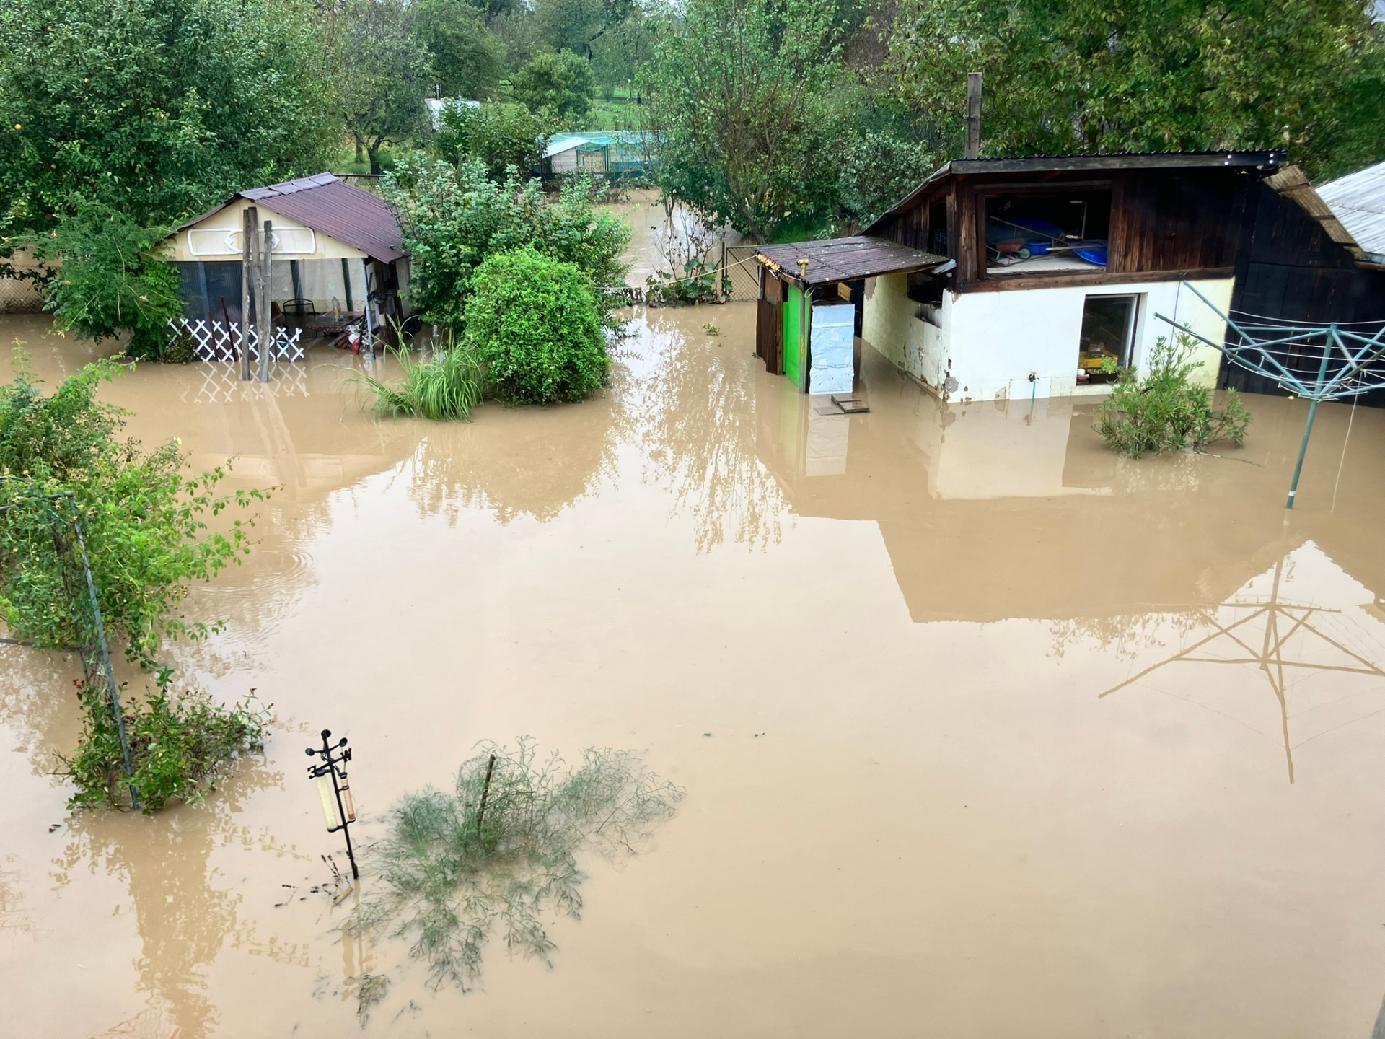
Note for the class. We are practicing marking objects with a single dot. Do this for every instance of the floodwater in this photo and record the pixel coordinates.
(984, 730)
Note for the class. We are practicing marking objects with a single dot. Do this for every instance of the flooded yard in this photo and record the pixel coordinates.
(984, 730)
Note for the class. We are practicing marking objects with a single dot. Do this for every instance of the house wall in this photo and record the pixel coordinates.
(230, 219)
(991, 342)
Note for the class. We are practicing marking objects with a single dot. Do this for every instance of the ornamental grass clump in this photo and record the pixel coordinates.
(1163, 410)
(446, 384)
(536, 326)
(499, 851)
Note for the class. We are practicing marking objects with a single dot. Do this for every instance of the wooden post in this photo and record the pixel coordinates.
(266, 302)
(247, 271)
(368, 343)
(973, 115)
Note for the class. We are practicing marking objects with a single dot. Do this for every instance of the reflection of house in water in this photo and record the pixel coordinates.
(1016, 509)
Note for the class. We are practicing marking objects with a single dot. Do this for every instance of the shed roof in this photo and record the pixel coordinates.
(1260, 160)
(330, 206)
(1358, 202)
(843, 259)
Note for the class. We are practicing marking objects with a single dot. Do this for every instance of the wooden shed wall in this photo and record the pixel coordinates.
(1289, 268)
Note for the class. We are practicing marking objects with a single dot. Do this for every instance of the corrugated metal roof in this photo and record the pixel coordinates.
(1293, 185)
(1265, 160)
(1358, 201)
(844, 259)
(332, 207)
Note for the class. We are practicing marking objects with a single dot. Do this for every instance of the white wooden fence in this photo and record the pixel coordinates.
(218, 341)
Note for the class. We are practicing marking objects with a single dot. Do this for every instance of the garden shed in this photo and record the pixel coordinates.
(335, 249)
(1044, 272)
(607, 153)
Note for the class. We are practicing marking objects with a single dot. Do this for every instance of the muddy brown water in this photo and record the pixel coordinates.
(984, 730)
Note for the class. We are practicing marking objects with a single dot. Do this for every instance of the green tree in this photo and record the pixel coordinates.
(1089, 76)
(558, 81)
(576, 25)
(155, 108)
(741, 92)
(110, 280)
(383, 73)
(455, 217)
(468, 60)
(535, 324)
(501, 134)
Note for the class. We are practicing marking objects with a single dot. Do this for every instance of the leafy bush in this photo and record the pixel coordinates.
(501, 848)
(1163, 410)
(110, 281)
(535, 325)
(501, 134)
(558, 81)
(446, 385)
(144, 519)
(177, 746)
(454, 217)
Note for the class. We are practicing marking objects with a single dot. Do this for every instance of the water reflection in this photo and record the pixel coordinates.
(1302, 650)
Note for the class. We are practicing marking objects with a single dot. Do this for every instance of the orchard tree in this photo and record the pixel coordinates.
(741, 91)
(468, 59)
(155, 109)
(576, 25)
(502, 134)
(1074, 76)
(384, 75)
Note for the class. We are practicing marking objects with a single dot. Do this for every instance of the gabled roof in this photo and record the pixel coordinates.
(844, 259)
(330, 206)
(1358, 202)
(1260, 160)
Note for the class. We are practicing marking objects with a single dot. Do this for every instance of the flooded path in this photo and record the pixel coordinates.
(985, 731)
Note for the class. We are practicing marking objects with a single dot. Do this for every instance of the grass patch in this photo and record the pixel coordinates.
(498, 852)
(445, 385)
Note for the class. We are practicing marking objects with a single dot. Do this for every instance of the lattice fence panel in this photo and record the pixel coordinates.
(218, 341)
(19, 296)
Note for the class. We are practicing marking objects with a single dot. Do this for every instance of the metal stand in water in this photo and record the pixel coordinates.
(338, 806)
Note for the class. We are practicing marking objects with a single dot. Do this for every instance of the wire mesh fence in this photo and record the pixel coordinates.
(19, 296)
(740, 280)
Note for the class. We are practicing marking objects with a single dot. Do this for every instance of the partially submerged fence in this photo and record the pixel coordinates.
(740, 277)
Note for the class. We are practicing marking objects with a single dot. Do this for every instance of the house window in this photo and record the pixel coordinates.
(1108, 333)
(1046, 232)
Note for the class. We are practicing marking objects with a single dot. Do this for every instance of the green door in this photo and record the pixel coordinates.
(793, 344)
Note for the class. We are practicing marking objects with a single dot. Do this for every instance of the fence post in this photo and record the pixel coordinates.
(248, 225)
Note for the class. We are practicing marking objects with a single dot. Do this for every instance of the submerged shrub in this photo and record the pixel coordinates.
(445, 385)
(499, 851)
(177, 747)
(535, 324)
(1163, 410)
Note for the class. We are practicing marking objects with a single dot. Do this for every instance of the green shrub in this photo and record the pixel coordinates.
(446, 385)
(145, 519)
(501, 134)
(1163, 410)
(110, 282)
(501, 847)
(535, 324)
(177, 746)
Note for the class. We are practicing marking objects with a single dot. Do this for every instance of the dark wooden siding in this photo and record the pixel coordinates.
(1175, 220)
(1289, 268)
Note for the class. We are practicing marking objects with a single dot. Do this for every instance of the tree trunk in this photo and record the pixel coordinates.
(374, 151)
(360, 148)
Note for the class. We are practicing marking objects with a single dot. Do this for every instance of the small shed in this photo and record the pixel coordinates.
(335, 247)
(606, 153)
(809, 310)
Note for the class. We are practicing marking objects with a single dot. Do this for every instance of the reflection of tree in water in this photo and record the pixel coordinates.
(529, 462)
(1122, 635)
(182, 918)
(695, 413)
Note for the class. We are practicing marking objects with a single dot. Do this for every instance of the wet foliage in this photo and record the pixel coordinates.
(498, 852)
(446, 384)
(178, 746)
(1164, 410)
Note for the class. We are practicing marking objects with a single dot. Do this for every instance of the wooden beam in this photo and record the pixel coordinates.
(973, 115)
(249, 223)
(1003, 283)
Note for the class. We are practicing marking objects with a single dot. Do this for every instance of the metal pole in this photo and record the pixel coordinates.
(266, 304)
(341, 811)
(112, 690)
(248, 225)
(1308, 425)
(369, 329)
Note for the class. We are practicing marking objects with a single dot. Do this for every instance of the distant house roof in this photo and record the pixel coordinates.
(845, 259)
(330, 206)
(1358, 202)
(1260, 160)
